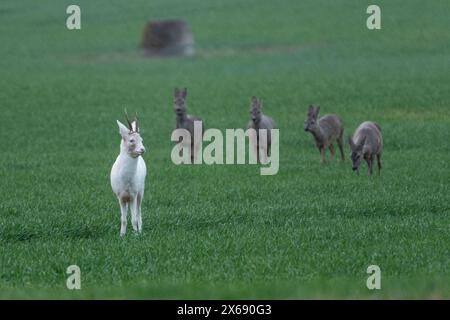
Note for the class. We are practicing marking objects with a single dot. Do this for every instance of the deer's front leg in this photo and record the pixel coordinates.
(123, 211)
(134, 216)
(257, 147)
(195, 147)
(263, 149)
(263, 155)
(370, 164)
(322, 154)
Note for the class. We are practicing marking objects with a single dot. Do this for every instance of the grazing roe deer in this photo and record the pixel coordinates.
(184, 120)
(325, 131)
(367, 142)
(258, 121)
(128, 175)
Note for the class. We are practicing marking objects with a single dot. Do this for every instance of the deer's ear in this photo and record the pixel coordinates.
(317, 110)
(184, 93)
(122, 129)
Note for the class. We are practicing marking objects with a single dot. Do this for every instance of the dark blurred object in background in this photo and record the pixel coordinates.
(168, 38)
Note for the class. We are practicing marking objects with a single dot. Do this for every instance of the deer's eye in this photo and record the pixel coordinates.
(132, 141)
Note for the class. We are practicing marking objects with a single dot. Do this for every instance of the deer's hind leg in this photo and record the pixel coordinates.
(379, 164)
(134, 213)
(138, 211)
(332, 152)
(341, 146)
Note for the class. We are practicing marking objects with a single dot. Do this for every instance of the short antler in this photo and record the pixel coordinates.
(128, 120)
(137, 122)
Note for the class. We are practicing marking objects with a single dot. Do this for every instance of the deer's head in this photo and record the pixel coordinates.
(179, 101)
(131, 139)
(255, 109)
(311, 118)
(356, 153)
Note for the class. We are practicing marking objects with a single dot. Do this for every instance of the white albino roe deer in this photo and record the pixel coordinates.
(128, 175)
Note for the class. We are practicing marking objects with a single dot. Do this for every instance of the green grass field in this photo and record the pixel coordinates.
(225, 231)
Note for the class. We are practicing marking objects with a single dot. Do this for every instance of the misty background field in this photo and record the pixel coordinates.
(225, 231)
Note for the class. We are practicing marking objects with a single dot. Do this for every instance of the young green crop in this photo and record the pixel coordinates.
(225, 231)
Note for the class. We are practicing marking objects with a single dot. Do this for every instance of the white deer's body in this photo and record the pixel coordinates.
(128, 178)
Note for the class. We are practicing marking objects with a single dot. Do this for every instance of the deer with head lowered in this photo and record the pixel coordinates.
(367, 143)
(128, 175)
(185, 120)
(325, 131)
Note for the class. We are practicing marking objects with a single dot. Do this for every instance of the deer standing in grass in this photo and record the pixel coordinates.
(258, 121)
(325, 131)
(367, 143)
(128, 175)
(185, 121)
